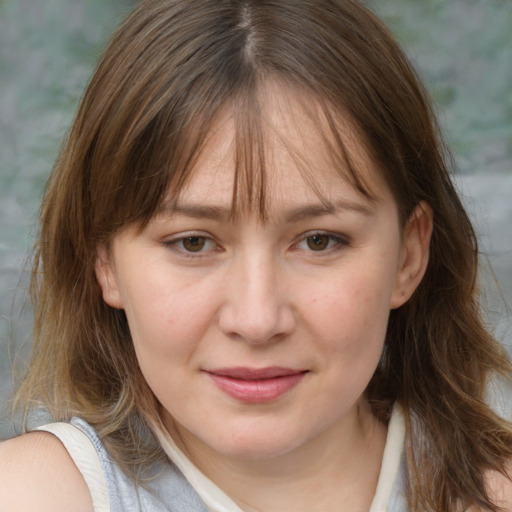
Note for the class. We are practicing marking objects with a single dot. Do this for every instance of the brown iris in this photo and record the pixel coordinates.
(318, 242)
(194, 243)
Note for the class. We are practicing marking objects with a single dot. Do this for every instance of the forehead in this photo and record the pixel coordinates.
(285, 151)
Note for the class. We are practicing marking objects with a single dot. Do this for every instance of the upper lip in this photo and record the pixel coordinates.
(246, 373)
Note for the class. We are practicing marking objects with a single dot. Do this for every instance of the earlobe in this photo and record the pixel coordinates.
(415, 254)
(106, 278)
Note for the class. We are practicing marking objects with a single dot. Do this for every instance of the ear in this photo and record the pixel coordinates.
(414, 255)
(106, 277)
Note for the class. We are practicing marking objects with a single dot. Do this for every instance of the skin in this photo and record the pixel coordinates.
(202, 292)
(37, 474)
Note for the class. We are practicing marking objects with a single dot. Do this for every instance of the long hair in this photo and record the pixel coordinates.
(167, 74)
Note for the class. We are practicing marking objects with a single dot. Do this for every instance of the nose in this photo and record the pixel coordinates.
(257, 307)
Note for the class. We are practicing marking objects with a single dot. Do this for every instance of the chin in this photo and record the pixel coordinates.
(255, 450)
(255, 443)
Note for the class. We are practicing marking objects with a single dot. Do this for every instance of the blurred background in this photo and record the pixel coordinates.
(48, 49)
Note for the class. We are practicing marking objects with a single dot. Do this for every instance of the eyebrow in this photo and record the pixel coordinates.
(196, 211)
(221, 213)
(327, 208)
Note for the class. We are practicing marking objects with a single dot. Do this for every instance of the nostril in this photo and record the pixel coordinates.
(258, 326)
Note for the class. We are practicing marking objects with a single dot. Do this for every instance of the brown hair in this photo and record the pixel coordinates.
(163, 80)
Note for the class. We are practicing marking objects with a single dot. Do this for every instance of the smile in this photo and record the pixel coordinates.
(256, 385)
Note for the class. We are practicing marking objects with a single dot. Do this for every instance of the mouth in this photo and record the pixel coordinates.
(256, 385)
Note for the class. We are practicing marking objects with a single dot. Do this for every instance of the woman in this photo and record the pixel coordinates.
(255, 282)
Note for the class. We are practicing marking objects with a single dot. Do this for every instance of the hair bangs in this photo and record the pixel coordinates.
(255, 135)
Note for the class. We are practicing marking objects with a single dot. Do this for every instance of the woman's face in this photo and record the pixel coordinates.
(259, 337)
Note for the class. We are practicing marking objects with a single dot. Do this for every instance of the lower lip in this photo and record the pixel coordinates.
(258, 390)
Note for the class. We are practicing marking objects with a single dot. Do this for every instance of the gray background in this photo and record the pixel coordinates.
(48, 48)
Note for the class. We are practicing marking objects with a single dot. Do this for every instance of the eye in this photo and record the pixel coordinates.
(319, 242)
(192, 244)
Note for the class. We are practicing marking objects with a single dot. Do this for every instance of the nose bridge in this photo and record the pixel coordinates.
(256, 308)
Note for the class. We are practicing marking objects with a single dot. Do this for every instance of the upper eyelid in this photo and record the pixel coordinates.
(298, 238)
(312, 232)
(187, 234)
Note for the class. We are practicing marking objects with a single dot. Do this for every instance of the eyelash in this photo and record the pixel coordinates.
(333, 241)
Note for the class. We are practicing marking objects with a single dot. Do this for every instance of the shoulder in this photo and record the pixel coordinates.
(37, 473)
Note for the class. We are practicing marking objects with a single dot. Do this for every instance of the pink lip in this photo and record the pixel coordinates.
(256, 385)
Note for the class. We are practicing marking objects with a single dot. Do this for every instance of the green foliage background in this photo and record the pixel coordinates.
(463, 50)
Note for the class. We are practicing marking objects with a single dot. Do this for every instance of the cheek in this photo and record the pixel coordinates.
(353, 308)
(167, 316)
(167, 330)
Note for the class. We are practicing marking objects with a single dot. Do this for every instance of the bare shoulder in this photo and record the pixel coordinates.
(37, 473)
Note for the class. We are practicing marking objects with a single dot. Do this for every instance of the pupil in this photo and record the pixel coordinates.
(194, 243)
(318, 242)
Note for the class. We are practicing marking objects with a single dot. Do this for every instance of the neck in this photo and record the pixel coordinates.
(339, 467)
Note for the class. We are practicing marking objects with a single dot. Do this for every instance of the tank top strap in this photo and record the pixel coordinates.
(389, 492)
(87, 459)
(112, 490)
